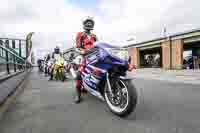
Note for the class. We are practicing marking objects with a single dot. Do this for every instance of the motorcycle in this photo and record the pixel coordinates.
(41, 67)
(105, 76)
(50, 66)
(59, 69)
(46, 68)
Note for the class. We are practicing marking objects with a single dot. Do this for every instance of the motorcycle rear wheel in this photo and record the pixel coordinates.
(131, 99)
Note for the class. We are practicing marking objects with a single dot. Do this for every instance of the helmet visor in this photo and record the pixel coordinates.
(88, 24)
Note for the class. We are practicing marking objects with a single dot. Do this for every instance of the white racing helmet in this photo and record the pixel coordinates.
(88, 23)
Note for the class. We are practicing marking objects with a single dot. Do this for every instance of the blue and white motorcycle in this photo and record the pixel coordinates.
(105, 77)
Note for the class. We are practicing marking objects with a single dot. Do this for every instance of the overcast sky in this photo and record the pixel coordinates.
(56, 22)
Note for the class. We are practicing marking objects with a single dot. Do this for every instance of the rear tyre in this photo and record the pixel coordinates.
(126, 98)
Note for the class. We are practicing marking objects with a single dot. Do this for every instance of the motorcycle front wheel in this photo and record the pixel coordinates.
(124, 99)
(62, 75)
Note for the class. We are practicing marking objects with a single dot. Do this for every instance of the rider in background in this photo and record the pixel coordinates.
(84, 41)
(55, 56)
(57, 53)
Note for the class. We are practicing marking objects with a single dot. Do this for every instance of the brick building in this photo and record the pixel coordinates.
(170, 50)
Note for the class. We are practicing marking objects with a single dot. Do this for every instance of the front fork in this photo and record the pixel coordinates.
(109, 85)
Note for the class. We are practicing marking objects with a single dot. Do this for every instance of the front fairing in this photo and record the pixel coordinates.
(60, 62)
(103, 60)
(105, 56)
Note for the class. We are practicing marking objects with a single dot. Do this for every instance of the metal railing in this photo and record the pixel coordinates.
(14, 64)
(11, 61)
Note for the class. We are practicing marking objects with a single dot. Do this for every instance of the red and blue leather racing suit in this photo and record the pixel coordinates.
(84, 42)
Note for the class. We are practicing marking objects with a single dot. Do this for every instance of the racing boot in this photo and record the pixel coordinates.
(78, 96)
(51, 76)
(78, 91)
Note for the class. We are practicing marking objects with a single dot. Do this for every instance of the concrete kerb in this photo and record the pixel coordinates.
(181, 76)
(11, 99)
(3, 78)
(168, 79)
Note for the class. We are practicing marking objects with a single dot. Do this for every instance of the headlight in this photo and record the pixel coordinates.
(78, 60)
(120, 53)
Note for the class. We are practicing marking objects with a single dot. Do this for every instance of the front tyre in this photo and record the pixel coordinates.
(124, 100)
(62, 74)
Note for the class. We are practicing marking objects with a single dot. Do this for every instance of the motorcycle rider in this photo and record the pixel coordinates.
(84, 41)
(55, 56)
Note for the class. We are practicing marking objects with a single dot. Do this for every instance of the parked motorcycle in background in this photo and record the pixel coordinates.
(42, 66)
(46, 68)
(50, 66)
